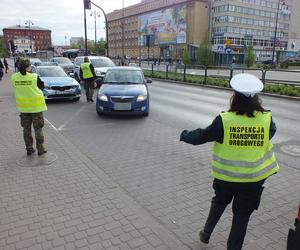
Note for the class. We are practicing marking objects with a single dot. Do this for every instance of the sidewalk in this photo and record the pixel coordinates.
(69, 204)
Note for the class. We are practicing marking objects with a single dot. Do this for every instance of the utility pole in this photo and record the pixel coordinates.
(106, 28)
(275, 35)
(29, 22)
(95, 13)
(86, 5)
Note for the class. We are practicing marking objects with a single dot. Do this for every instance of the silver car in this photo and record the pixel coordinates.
(101, 65)
(65, 63)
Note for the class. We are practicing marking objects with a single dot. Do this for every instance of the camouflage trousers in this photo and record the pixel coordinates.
(37, 120)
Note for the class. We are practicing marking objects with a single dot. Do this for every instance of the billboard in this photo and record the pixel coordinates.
(168, 26)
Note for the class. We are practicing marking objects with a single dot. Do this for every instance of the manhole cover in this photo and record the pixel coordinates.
(35, 160)
(293, 150)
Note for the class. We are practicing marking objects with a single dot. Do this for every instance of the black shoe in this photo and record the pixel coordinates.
(30, 152)
(204, 237)
(42, 152)
(91, 100)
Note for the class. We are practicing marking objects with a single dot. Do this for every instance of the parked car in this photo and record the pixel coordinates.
(35, 61)
(124, 91)
(132, 65)
(65, 63)
(58, 85)
(101, 65)
(45, 64)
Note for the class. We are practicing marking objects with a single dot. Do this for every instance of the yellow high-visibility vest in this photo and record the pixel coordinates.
(246, 154)
(86, 70)
(29, 98)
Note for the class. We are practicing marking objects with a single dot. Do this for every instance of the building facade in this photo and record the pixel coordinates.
(237, 23)
(39, 38)
(157, 29)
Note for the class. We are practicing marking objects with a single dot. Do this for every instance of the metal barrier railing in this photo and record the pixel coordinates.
(274, 76)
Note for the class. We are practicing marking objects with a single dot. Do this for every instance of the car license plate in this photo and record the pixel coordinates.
(122, 106)
(62, 92)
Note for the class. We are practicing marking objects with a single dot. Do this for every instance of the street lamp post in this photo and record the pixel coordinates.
(96, 14)
(29, 23)
(276, 24)
(106, 28)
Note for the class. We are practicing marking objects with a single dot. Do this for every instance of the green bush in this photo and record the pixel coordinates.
(280, 89)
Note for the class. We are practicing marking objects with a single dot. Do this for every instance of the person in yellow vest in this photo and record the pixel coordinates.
(31, 103)
(87, 74)
(243, 157)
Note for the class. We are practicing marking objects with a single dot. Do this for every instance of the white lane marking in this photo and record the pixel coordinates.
(50, 124)
(61, 127)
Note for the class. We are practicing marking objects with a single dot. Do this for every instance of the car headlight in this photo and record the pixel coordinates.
(102, 97)
(99, 73)
(141, 98)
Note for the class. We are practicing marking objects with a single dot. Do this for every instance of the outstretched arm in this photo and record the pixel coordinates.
(213, 132)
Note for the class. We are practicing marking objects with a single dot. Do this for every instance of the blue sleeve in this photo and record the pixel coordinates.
(213, 132)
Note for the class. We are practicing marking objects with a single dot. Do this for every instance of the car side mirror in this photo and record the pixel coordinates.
(72, 74)
(149, 81)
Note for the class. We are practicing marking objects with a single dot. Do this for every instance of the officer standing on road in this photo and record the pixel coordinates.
(31, 104)
(87, 73)
(243, 157)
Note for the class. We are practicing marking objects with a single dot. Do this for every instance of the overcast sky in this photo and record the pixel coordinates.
(62, 17)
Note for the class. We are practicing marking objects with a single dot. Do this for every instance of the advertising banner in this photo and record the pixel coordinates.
(168, 26)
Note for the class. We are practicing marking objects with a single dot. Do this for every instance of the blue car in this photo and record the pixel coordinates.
(58, 85)
(124, 90)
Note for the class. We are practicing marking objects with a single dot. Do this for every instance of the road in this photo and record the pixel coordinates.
(291, 76)
(171, 180)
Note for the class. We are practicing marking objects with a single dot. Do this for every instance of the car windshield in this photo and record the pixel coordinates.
(62, 60)
(101, 62)
(124, 77)
(51, 72)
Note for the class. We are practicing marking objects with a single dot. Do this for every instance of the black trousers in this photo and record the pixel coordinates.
(246, 198)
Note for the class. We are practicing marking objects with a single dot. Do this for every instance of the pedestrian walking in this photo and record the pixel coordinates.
(87, 74)
(17, 64)
(243, 157)
(5, 65)
(31, 103)
(1, 70)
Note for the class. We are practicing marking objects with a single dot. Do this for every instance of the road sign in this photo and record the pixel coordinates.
(220, 48)
(228, 50)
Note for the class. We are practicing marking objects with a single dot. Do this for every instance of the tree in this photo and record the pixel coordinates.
(2, 50)
(74, 46)
(250, 57)
(100, 47)
(205, 54)
(91, 46)
(186, 57)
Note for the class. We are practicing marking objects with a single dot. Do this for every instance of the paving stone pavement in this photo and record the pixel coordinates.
(70, 204)
(174, 187)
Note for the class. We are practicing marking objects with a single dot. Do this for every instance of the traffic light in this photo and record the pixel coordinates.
(87, 4)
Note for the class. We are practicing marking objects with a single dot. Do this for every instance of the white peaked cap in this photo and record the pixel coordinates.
(246, 84)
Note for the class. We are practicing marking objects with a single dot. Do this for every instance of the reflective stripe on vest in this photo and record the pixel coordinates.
(29, 98)
(246, 154)
(86, 70)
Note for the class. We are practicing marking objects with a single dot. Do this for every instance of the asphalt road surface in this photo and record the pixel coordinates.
(170, 179)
